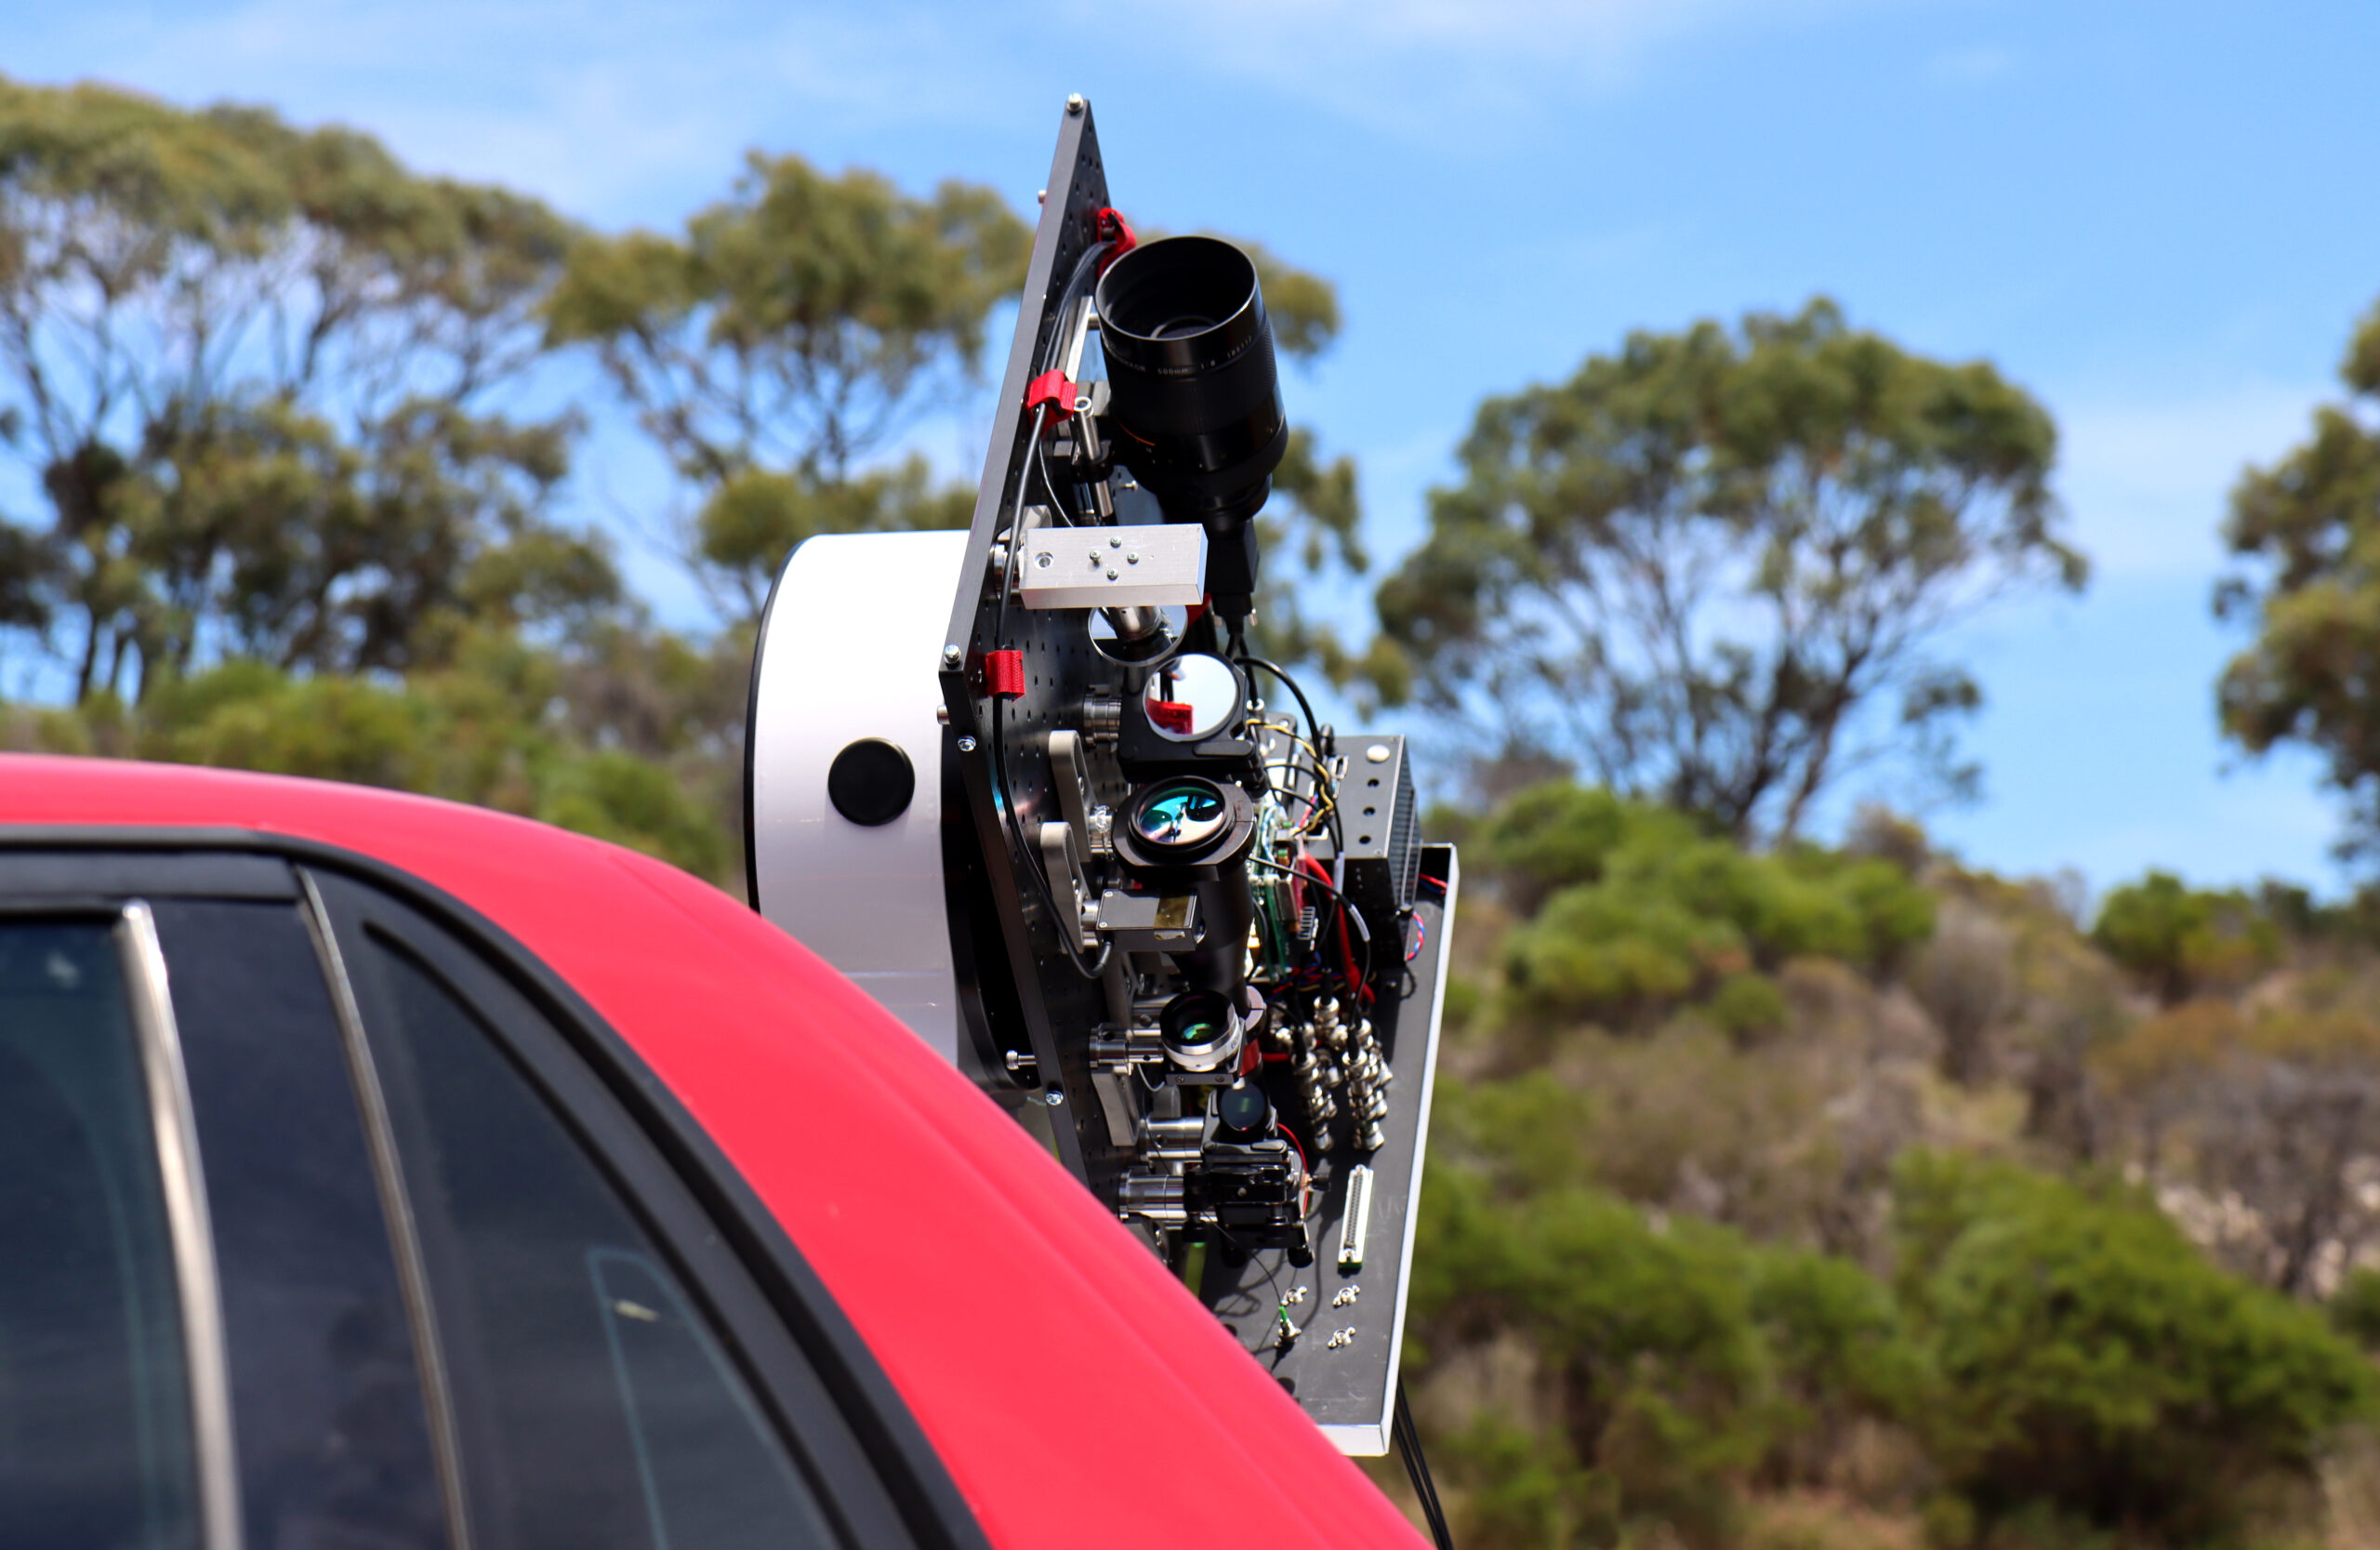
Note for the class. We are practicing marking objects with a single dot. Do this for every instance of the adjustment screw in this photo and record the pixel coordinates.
(952, 657)
(1041, 561)
(1115, 543)
(1054, 1097)
(1075, 103)
(1111, 573)
(966, 745)
(1133, 557)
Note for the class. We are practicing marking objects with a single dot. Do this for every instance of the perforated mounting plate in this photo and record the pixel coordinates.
(1019, 1013)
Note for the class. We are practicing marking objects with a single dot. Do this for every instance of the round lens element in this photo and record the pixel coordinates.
(1200, 1031)
(1243, 1108)
(1183, 813)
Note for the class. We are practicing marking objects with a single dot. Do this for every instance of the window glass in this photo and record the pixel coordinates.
(598, 1407)
(95, 1431)
(332, 1430)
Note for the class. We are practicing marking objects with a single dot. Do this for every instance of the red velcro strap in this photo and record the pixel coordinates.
(1171, 716)
(1004, 673)
(1051, 388)
(1113, 231)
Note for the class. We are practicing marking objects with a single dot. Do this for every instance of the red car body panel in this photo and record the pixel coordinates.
(1076, 1391)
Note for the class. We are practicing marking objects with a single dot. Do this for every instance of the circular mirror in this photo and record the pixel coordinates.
(1192, 697)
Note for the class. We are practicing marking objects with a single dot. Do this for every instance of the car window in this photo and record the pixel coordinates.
(330, 1419)
(96, 1445)
(598, 1407)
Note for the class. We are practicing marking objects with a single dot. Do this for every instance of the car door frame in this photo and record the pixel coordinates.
(632, 1127)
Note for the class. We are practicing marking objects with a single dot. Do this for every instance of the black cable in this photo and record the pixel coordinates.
(1272, 1281)
(1097, 966)
(1417, 1470)
(1048, 359)
(1313, 738)
(1313, 726)
(1354, 916)
(1041, 465)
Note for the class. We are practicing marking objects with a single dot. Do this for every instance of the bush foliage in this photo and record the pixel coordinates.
(1638, 910)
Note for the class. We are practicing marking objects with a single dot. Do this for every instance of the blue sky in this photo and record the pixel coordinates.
(2158, 220)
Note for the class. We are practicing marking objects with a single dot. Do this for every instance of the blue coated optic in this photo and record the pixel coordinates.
(1185, 814)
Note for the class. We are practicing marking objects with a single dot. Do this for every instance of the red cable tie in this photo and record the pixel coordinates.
(1004, 674)
(1111, 229)
(1052, 388)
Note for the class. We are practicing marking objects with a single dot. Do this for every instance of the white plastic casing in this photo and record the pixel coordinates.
(850, 648)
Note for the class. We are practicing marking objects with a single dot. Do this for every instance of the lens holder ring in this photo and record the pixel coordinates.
(1194, 1014)
(1226, 844)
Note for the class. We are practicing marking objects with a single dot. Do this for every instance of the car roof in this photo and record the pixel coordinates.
(1074, 1389)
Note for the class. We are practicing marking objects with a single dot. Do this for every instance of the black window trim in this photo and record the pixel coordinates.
(396, 1206)
(822, 1444)
(931, 1507)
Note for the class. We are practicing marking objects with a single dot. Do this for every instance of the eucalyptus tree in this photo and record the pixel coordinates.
(2306, 533)
(255, 373)
(1718, 567)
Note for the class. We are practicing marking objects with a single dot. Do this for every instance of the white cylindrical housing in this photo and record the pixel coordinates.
(849, 650)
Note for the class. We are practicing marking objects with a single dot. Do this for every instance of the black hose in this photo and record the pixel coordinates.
(1417, 1470)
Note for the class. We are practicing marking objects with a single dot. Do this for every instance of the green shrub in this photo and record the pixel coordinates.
(1836, 1339)
(2088, 1364)
(2182, 940)
(480, 734)
(1526, 1489)
(2355, 1308)
(1525, 1134)
(1637, 911)
(1748, 1006)
(1647, 1332)
(1561, 833)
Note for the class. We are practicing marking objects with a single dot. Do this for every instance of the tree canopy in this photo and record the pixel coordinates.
(250, 371)
(1715, 566)
(2305, 532)
(791, 330)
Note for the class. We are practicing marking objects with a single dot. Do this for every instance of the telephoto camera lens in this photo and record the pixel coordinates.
(1194, 391)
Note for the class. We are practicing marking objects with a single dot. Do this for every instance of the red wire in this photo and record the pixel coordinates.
(1346, 944)
(1306, 1175)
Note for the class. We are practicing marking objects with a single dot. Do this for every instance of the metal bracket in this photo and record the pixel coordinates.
(1148, 566)
(1076, 913)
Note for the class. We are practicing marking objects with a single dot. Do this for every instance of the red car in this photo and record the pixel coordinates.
(379, 1171)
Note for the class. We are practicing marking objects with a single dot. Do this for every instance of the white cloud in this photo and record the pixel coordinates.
(599, 107)
(2148, 479)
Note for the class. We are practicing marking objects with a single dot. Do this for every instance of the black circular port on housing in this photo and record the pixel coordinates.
(871, 782)
(1243, 1110)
